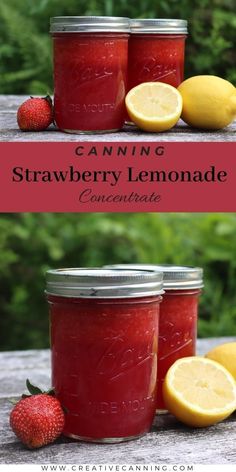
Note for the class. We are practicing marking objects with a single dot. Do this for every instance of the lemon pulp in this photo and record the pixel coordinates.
(154, 106)
(199, 391)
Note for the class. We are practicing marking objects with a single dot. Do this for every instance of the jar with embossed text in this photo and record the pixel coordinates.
(178, 315)
(104, 331)
(156, 51)
(90, 72)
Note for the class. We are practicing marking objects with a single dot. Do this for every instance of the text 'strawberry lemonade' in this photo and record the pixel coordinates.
(90, 72)
(104, 332)
(178, 316)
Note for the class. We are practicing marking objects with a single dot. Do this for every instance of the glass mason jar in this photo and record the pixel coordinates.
(178, 316)
(104, 331)
(90, 72)
(156, 51)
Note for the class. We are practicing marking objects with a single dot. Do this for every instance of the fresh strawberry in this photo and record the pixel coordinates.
(37, 420)
(35, 114)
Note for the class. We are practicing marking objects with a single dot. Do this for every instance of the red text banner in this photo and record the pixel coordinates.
(117, 177)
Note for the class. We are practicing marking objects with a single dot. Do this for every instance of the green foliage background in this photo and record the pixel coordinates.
(25, 46)
(32, 243)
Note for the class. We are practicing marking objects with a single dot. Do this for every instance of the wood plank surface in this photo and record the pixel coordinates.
(168, 442)
(9, 130)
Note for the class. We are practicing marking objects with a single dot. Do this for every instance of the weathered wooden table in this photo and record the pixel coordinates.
(169, 441)
(9, 130)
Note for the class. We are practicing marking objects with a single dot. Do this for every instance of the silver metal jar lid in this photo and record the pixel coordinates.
(89, 24)
(158, 26)
(103, 283)
(174, 277)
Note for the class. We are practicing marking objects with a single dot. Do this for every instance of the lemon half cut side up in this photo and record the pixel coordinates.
(199, 391)
(154, 106)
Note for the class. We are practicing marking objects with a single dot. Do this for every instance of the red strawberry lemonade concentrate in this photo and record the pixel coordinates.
(156, 51)
(90, 74)
(156, 59)
(104, 365)
(178, 315)
(177, 332)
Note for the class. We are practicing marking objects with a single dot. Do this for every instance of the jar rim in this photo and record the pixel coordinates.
(103, 283)
(158, 26)
(174, 277)
(89, 24)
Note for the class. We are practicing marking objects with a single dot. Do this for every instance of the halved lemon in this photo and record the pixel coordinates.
(154, 106)
(199, 391)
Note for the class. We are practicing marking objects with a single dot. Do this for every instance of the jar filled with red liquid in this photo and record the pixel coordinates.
(156, 51)
(104, 332)
(90, 72)
(178, 316)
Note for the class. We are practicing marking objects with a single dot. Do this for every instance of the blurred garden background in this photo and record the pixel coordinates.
(32, 243)
(25, 45)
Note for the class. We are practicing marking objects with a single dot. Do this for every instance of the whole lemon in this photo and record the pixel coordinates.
(225, 354)
(209, 102)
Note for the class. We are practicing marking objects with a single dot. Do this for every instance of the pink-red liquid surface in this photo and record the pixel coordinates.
(156, 57)
(177, 332)
(104, 364)
(90, 80)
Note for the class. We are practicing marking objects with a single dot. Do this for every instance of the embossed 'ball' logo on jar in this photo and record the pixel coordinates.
(155, 70)
(177, 339)
(82, 73)
(117, 360)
